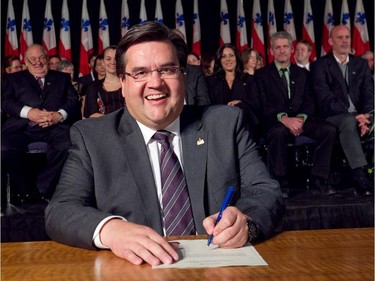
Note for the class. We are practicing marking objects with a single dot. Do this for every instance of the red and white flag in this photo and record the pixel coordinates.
(271, 26)
(125, 24)
(180, 18)
(196, 48)
(158, 13)
(65, 42)
(241, 34)
(257, 37)
(289, 21)
(26, 36)
(345, 16)
(86, 48)
(360, 42)
(308, 28)
(11, 42)
(142, 12)
(328, 23)
(224, 23)
(103, 38)
(49, 36)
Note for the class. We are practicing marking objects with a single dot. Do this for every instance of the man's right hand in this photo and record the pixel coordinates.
(294, 124)
(137, 243)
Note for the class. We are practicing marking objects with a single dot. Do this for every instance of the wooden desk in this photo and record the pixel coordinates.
(337, 254)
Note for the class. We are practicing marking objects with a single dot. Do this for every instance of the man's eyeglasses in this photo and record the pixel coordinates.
(34, 60)
(165, 72)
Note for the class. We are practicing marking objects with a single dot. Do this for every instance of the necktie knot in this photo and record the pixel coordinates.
(40, 82)
(283, 70)
(162, 136)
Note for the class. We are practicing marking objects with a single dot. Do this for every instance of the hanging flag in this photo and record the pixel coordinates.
(180, 18)
(289, 25)
(142, 13)
(308, 28)
(345, 16)
(64, 42)
(11, 42)
(158, 13)
(271, 25)
(360, 42)
(125, 24)
(224, 23)
(49, 36)
(103, 38)
(26, 37)
(241, 34)
(257, 37)
(328, 23)
(196, 30)
(86, 48)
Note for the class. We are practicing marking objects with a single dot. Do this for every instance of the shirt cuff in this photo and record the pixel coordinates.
(25, 111)
(281, 114)
(96, 236)
(63, 113)
(304, 116)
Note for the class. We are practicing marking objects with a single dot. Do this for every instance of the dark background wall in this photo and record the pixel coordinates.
(209, 11)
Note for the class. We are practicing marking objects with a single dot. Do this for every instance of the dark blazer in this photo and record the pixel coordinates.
(331, 90)
(274, 96)
(195, 86)
(108, 172)
(21, 88)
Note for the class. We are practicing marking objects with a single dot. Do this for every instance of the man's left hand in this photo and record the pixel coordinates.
(231, 231)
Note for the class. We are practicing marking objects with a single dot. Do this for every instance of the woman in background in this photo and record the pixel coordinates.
(104, 96)
(250, 58)
(231, 86)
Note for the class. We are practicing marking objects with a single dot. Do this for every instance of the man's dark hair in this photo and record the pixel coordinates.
(148, 32)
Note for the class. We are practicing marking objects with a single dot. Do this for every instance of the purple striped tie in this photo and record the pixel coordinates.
(177, 213)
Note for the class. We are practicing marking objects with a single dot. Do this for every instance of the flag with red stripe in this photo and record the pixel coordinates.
(196, 30)
(26, 36)
(224, 23)
(360, 42)
(103, 38)
(271, 26)
(328, 23)
(257, 37)
(308, 28)
(180, 18)
(49, 36)
(241, 34)
(86, 47)
(11, 42)
(64, 41)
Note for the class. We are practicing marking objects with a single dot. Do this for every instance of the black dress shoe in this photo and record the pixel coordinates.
(363, 187)
(322, 186)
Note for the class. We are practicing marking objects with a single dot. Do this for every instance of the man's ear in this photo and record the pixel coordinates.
(330, 41)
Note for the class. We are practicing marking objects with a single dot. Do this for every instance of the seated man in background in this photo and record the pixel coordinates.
(302, 54)
(344, 92)
(40, 105)
(287, 112)
(114, 193)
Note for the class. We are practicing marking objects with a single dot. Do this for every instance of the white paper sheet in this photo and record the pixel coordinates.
(195, 253)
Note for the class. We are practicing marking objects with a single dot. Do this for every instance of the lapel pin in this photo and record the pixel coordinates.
(292, 82)
(200, 141)
(353, 72)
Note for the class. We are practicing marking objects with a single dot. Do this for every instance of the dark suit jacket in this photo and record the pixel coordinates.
(195, 86)
(108, 172)
(330, 88)
(274, 96)
(21, 88)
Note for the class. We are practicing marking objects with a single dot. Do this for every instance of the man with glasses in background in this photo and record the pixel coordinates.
(40, 105)
(118, 187)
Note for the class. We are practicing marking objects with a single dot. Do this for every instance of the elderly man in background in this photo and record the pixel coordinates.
(40, 105)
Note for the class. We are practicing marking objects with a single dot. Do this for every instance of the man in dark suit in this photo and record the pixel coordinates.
(40, 105)
(288, 111)
(344, 90)
(111, 191)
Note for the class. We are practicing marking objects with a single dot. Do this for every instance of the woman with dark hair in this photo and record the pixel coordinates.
(231, 86)
(104, 96)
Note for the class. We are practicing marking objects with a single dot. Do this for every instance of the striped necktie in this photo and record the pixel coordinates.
(177, 213)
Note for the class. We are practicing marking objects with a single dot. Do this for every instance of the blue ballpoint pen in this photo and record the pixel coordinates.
(225, 204)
